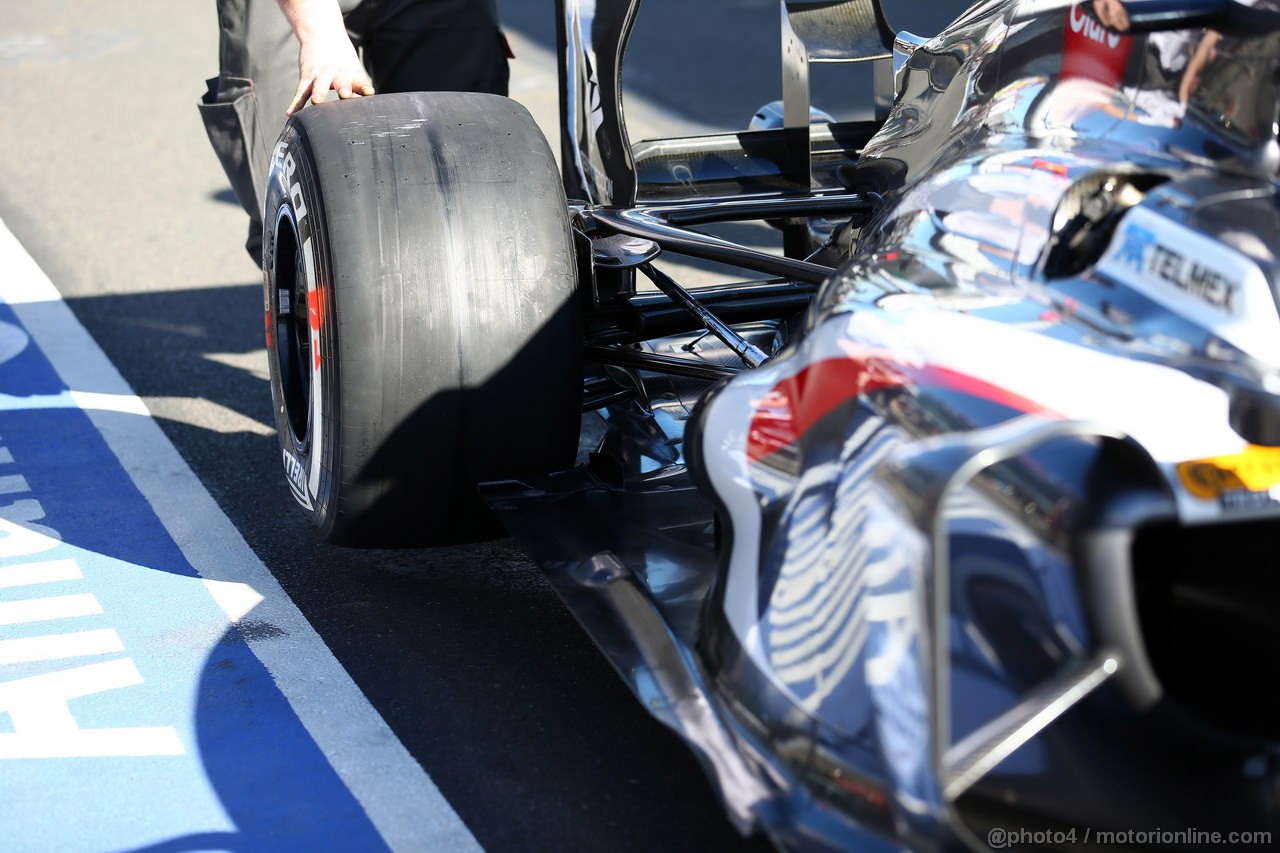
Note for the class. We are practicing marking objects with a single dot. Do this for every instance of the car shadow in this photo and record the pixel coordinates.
(465, 652)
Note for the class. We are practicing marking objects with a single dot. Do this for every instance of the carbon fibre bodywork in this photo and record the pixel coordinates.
(985, 542)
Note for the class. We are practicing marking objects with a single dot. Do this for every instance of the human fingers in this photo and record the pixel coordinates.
(353, 86)
(299, 95)
(320, 87)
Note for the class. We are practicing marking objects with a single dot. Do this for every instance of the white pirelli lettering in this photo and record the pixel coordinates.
(47, 609)
(49, 571)
(41, 721)
(17, 540)
(26, 512)
(295, 190)
(277, 155)
(78, 644)
(44, 726)
(299, 204)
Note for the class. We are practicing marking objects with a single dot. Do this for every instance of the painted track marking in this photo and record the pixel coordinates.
(400, 800)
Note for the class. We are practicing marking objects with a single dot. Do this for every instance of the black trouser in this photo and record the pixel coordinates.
(406, 45)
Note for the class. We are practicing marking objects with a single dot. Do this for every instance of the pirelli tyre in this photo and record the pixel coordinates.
(421, 318)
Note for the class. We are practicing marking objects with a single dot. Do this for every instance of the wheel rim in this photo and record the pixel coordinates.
(293, 332)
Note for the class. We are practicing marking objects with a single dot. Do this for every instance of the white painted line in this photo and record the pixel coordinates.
(128, 404)
(400, 799)
(78, 644)
(27, 574)
(45, 609)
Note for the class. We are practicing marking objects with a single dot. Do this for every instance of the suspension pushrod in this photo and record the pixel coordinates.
(753, 356)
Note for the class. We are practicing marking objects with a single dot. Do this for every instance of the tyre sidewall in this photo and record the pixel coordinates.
(295, 218)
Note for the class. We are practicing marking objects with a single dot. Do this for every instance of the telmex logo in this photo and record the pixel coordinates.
(1091, 29)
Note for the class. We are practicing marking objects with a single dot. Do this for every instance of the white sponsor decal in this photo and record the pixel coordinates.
(1143, 251)
(1089, 27)
(1198, 278)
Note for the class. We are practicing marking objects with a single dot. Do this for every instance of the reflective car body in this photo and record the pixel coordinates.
(985, 543)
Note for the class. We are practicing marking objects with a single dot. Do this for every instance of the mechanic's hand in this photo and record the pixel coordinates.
(331, 65)
(326, 58)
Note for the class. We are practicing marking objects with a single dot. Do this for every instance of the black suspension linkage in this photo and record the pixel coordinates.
(674, 365)
(663, 225)
(622, 251)
(750, 354)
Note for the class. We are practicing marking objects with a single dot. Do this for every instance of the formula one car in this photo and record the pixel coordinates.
(948, 524)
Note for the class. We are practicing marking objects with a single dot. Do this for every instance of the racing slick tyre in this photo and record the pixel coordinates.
(421, 319)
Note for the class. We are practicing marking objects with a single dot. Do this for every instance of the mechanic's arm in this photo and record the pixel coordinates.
(1203, 54)
(326, 58)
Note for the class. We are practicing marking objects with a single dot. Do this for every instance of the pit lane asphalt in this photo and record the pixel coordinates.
(467, 654)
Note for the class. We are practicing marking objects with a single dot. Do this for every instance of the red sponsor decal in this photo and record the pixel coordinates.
(1092, 52)
(1058, 169)
(315, 308)
(797, 403)
(793, 406)
(315, 316)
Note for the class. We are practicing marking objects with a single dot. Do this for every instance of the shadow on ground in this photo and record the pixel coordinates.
(466, 652)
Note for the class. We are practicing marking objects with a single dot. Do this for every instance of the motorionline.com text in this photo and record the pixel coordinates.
(1001, 838)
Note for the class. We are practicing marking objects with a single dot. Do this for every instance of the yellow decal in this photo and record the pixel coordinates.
(1255, 469)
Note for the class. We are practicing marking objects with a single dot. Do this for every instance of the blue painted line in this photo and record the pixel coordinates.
(221, 759)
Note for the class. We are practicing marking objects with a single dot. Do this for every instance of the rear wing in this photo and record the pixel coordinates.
(597, 160)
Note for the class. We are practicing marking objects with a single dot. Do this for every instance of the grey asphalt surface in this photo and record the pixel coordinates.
(466, 652)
